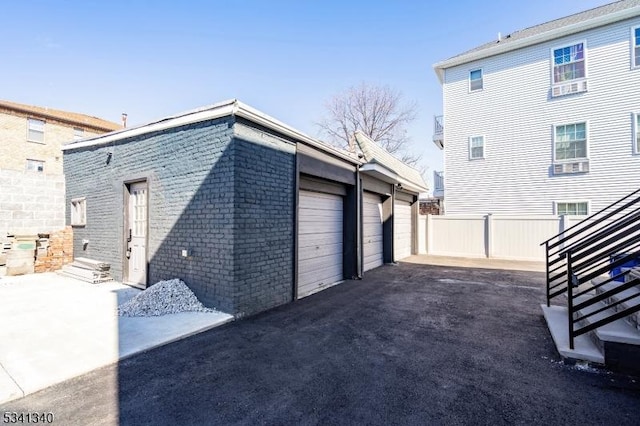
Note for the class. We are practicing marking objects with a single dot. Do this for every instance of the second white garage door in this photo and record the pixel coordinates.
(402, 236)
(372, 231)
(319, 241)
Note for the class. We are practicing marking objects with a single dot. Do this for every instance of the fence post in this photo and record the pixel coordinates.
(563, 226)
(429, 233)
(488, 236)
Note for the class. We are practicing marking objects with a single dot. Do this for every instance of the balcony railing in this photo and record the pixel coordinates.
(438, 131)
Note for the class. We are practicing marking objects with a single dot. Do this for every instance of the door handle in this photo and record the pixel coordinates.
(129, 239)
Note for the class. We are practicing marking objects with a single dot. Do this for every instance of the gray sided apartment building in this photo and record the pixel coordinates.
(250, 213)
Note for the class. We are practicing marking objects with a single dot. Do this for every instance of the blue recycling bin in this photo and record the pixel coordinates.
(618, 269)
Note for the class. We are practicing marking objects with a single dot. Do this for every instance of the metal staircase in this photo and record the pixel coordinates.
(592, 265)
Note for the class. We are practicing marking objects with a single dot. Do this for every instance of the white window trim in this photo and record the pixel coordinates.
(588, 202)
(484, 147)
(571, 160)
(633, 47)
(469, 80)
(636, 130)
(586, 62)
(44, 133)
(82, 220)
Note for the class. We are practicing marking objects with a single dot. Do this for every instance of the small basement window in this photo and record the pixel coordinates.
(580, 208)
(79, 211)
(35, 166)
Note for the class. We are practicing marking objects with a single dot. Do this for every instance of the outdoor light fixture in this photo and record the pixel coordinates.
(109, 155)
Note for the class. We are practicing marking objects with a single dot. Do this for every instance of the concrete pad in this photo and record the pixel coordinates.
(476, 262)
(584, 348)
(56, 328)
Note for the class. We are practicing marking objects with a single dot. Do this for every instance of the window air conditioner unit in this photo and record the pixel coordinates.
(568, 168)
(569, 88)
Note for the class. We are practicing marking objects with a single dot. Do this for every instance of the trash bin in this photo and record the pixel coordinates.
(618, 269)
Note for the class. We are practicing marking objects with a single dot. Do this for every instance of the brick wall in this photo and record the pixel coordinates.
(219, 189)
(15, 149)
(190, 176)
(31, 202)
(263, 219)
(57, 253)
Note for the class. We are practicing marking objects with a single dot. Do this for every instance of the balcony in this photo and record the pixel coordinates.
(438, 131)
(438, 185)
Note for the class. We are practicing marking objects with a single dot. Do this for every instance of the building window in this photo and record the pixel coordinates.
(580, 208)
(35, 130)
(475, 80)
(78, 133)
(35, 165)
(78, 211)
(571, 141)
(476, 147)
(636, 132)
(568, 63)
(636, 47)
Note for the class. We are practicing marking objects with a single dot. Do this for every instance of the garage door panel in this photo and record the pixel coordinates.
(403, 235)
(320, 250)
(320, 241)
(372, 234)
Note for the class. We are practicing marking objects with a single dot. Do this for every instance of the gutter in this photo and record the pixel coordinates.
(555, 33)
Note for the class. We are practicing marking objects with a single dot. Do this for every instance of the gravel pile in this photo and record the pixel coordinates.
(164, 297)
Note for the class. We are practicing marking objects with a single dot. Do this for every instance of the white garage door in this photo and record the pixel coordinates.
(319, 242)
(402, 236)
(372, 231)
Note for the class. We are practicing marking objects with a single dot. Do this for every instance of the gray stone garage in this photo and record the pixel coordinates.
(249, 212)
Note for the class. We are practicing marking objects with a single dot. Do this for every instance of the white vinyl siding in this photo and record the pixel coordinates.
(636, 132)
(572, 208)
(35, 130)
(475, 80)
(570, 142)
(402, 234)
(320, 247)
(517, 118)
(372, 236)
(476, 147)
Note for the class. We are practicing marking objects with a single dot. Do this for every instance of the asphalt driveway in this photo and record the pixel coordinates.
(409, 344)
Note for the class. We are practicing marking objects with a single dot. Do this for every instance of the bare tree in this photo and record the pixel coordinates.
(378, 112)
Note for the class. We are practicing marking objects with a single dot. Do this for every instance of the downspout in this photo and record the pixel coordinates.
(359, 224)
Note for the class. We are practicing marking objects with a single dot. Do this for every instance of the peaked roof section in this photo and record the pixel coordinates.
(72, 118)
(374, 153)
(568, 25)
(228, 108)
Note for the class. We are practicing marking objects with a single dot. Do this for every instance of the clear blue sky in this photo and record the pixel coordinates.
(286, 58)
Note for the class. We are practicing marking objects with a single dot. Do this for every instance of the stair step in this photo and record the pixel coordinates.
(633, 319)
(557, 318)
(619, 331)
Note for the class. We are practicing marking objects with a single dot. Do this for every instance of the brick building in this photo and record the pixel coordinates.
(31, 175)
(248, 211)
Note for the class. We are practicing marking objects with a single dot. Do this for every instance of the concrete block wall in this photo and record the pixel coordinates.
(263, 219)
(31, 202)
(190, 175)
(16, 149)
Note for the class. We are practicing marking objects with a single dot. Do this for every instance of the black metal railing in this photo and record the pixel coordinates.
(602, 243)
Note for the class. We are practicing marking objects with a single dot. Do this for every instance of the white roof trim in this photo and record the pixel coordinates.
(535, 39)
(375, 169)
(231, 107)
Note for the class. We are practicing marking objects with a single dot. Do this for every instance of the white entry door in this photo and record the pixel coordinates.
(137, 235)
(402, 235)
(319, 242)
(372, 244)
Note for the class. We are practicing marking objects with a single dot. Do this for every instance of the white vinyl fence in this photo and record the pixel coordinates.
(494, 236)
